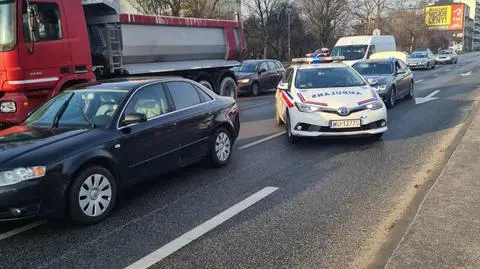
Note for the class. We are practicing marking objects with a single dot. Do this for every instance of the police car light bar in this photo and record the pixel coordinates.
(316, 60)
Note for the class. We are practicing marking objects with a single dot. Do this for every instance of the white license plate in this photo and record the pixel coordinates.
(339, 124)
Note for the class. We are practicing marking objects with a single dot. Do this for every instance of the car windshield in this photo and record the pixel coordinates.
(327, 78)
(7, 25)
(248, 67)
(418, 55)
(445, 52)
(380, 68)
(353, 52)
(78, 109)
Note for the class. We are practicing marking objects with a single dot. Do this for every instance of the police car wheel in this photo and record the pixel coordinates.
(391, 98)
(377, 137)
(291, 138)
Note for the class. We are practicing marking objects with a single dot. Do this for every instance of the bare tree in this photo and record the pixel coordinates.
(157, 7)
(327, 18)
(203, 8)
(370, 13)
(263, 12)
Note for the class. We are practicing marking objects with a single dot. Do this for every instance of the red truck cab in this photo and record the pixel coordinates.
(37, 42)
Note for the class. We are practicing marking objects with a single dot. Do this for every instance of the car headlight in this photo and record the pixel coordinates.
(244, 81)
(381, 87)
(8, 107)
(307, 108)
(375, 106)
(18, 175)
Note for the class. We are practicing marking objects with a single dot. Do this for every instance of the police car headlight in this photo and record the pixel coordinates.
(307, 108)
(381, 87)
(375, 106)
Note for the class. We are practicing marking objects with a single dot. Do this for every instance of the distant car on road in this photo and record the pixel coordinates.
(394, 79)
(326, 100)
(421, 59)
(323, 52)
(446, 57)
(255, 76)
(77, 152)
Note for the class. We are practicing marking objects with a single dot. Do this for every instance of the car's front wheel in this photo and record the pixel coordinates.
(392, 97)
(288, 128)
(221, 147)
(92, 195)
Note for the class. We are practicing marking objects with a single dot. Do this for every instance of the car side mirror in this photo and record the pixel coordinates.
(134, 118)
(283, 86)
(372, 82)
(262, 70)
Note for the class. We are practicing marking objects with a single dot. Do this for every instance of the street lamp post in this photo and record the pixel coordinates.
(289, 38)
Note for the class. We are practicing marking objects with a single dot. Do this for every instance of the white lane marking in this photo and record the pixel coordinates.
(261, 140)
(419, 81)
(448, 70)
(21, 229)
(466, 74)
(435, 75)
(200, 230)
(252, 106)
(427, 98)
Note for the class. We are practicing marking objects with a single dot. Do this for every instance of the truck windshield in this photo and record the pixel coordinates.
(352, 52)
(7, 25)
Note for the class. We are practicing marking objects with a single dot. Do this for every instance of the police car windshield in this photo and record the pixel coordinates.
(374, 68)
(328, 77)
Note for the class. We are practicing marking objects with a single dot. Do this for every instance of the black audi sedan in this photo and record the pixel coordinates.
(74, 155)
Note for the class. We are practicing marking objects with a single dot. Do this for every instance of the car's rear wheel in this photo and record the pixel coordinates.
(221, 147)
(255, 89)
(92, 195)
(410, 94)
(391, 97)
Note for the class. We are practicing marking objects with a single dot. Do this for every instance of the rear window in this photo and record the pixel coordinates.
(374, 68)
(327, 78)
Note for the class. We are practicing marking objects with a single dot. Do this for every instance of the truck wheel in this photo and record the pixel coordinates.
(228, 87)
(206, 84)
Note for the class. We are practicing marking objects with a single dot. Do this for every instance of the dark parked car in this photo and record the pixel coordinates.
(77, 152)
(394, 80)
(255, 76)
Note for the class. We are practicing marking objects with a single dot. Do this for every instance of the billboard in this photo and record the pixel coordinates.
(445, 17)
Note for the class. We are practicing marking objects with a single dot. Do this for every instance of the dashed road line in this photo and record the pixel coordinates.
(249, 145)
(21, 229)
(419, 81)
(200, 230)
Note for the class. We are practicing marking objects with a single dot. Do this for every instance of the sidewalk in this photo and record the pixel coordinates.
(446, 231)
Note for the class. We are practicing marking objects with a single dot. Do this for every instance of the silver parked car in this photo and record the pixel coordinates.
(421, 59)
(446, 57)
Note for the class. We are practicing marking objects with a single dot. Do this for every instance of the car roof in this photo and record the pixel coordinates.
(258, 60)
(375, 61)
(125, 84)
(322, 65)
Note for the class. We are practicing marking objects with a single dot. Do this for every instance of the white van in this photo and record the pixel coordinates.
(356, 48)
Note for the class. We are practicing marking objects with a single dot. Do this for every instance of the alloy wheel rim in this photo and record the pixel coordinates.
(95, 195)
(222, 147)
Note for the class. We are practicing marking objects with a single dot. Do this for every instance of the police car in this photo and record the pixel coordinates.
(324, 97)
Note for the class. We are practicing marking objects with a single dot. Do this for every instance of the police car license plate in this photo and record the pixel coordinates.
(339, 124)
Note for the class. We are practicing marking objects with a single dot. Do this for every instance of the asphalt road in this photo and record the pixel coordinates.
(332, 203)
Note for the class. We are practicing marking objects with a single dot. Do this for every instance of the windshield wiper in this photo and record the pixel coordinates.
(85, 115)
(60, 112)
